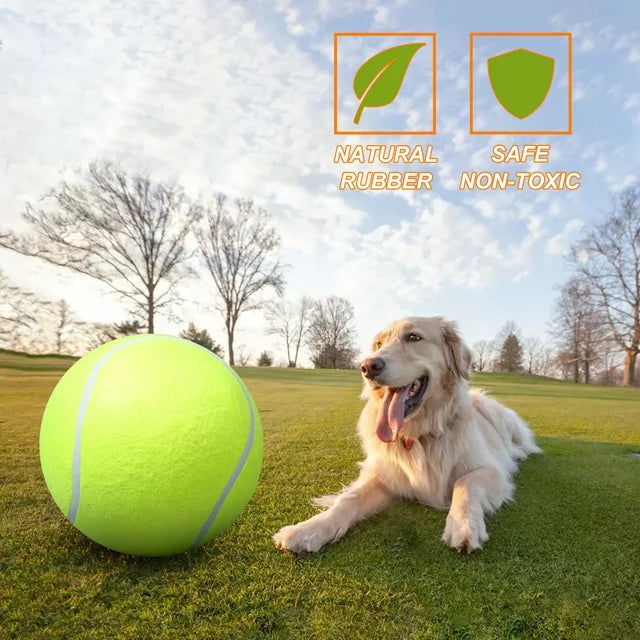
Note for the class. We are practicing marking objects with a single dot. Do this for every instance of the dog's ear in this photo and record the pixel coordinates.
(456, 352)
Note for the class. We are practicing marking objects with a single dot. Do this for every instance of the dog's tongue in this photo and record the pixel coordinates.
(391, 414)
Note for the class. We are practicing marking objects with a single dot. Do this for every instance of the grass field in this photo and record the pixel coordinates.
(563, 561)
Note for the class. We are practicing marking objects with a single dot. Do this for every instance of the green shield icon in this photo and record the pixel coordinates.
(520, 80)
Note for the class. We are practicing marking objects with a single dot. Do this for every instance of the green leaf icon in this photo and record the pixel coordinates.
(379, 79)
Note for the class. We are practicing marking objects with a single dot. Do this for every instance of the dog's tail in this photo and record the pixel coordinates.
(513, 430)
(521, 437)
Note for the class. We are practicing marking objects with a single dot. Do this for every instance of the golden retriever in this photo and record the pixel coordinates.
(426, 437)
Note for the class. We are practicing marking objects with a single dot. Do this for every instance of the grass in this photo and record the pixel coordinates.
(34, 362)
(563, 561)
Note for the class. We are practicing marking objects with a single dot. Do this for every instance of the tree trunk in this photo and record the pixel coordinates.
(586, 371)
(295, 357)
(629, 369)
(230, 342)
(576, 370)
(289, 362)
(150, 313)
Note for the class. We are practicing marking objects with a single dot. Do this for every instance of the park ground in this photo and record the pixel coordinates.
(563, 560)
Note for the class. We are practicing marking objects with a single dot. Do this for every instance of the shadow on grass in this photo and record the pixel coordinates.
(561, 563)
(576, 491)
(561, 557)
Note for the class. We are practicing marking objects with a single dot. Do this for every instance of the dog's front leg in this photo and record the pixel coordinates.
(358, 501)
(474, 494)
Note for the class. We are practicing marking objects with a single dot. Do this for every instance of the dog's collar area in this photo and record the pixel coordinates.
(407, 443)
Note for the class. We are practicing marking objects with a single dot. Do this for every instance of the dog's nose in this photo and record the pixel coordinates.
(371, 367)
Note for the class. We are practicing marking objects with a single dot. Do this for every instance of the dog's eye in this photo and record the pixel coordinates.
(377, 345)
(412, 337)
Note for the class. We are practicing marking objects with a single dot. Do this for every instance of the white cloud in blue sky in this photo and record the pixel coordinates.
(238, 97)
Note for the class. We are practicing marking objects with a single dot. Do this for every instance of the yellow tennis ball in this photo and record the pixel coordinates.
(151, 445)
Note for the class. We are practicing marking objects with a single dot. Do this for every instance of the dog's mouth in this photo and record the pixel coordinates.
(398, 405)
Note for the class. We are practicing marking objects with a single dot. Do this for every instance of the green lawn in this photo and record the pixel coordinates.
(34, 363)
(563, 561)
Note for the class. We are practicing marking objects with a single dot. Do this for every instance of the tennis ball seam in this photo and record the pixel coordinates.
(84, 404)
(82, 411)
(241, 462)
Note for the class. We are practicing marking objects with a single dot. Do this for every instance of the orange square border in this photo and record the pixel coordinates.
(564, 34)
(336, 35)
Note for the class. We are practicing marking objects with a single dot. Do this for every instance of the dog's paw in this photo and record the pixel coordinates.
(308, 536)
(465, 534)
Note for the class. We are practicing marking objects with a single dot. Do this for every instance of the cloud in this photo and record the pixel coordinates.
(404, 267)
(444, 245)
(238, 97)
(381, 15)
(559, 244)
(579, 93)
(294, 26)
(217, 109)
(625, 181)
(632, 101)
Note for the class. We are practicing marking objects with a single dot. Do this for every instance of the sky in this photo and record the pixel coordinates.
(238, 98)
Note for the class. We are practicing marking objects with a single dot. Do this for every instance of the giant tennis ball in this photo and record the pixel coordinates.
(151, 445)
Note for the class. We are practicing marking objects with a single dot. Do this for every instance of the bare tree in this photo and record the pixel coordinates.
(123, 230)
(610, 373)
(567, 326)
(507, 329)
(291, 322)
(90, 335)
(63, 322)
(545, 362)
(564, 361)
(243, 355)
(33, 324)
(594, 336)
(17, 307)
(608, 257)
(579, 327)
(531, 348)
(240, 250)
(61, 331)
(331, 335)
(482, 352)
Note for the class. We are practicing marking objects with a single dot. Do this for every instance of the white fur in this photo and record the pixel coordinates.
(466, 445)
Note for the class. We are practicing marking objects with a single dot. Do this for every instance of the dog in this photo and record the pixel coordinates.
(426, 437)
